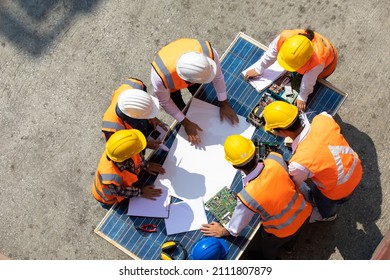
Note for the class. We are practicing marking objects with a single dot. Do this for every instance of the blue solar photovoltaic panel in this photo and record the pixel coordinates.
(119, 229)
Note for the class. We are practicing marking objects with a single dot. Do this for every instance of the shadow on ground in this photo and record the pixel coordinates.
(33, 25)
(354, 234)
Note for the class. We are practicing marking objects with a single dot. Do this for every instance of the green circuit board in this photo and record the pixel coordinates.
(222, 205)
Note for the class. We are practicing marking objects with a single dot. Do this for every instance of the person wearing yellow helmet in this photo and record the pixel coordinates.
(269, 192)
(116, 177)
(132, 107)
(303, 51)
(188, 63)
(319, 153)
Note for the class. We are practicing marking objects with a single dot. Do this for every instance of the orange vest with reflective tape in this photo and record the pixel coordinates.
(273, 195)
(336, 167)
(323, 50)
(111, 121)
(107, 173)
(166, 58)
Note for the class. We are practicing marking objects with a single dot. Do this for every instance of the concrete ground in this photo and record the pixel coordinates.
(60, 60)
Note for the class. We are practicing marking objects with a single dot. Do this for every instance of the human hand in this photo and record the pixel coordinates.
(154, 168)
(300, 104)
(227, 111)
(192, 131)
(153, 144)
(150, 192)
(157, 122)
(214, 229)
(251, 73)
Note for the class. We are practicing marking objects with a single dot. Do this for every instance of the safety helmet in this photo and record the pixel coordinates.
(123, 144)
(295, 52)
(196, 68)
(138, 104)
(209, 248)
(279, 114)
(238, 149)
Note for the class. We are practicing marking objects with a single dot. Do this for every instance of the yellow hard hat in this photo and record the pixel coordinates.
(238, 149)
(123, 144)
(295, 52)
(279, 114)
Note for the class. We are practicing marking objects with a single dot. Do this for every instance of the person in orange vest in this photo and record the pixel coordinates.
(268, 191)
(303, 51)
(132, 107)
(319, 153)
(188, 63)
(116, 177)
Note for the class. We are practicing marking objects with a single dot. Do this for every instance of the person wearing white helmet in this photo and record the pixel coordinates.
(132, 107)
(188, 63)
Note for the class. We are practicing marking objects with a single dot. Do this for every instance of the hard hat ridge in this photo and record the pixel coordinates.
(196, 68)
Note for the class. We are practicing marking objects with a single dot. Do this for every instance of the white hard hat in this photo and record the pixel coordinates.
(196, 68)
(138, 104)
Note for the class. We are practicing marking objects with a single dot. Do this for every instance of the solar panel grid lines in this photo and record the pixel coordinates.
(119, 229)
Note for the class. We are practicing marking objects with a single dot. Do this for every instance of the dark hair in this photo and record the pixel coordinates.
(309, 34)
(294, 126)
(249, 166)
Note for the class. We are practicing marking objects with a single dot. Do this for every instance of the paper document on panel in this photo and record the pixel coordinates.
(202, 171)
(269, 75)
(186, 216)
(143, 207)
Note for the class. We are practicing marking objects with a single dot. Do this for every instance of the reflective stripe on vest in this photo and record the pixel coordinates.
(111, 121)
(165, 60)
(324, 151)
(108, 174)
(274, 196)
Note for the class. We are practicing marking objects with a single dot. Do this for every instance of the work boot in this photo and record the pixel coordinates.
(317, 217)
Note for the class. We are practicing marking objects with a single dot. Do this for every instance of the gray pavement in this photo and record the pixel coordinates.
(60, 60)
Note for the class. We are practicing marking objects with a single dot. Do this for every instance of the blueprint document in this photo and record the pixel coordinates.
(201, 171)
(270, 75)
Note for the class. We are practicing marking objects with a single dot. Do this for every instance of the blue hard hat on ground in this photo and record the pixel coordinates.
(209, 248)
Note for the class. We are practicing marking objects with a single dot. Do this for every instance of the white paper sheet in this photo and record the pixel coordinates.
(143, 207)
(186, 216)
(193, 172)
(269, 75)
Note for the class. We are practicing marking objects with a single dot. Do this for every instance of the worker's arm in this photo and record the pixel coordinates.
(266, 60)
(299, 173)
(226, 111)
(308, 82)
(147, 191)
(240, 219)
(123, 191)
(164, 97)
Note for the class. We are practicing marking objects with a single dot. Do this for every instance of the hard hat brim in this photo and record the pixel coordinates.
(284, 65)
(155, 109)
(213, 72)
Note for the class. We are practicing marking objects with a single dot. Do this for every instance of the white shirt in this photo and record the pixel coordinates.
(299, 173)
(242, 215)
(164, 97)
(309, 79)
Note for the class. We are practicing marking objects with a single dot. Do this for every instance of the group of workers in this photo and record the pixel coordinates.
(322, 172)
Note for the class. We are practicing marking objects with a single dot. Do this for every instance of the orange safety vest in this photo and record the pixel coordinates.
(336, 167)
(165, 61)
(273, 195)
(107, 173)
(111, 121)
(323, 51)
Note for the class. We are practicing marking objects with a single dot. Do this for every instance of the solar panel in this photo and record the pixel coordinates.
(119, 229)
